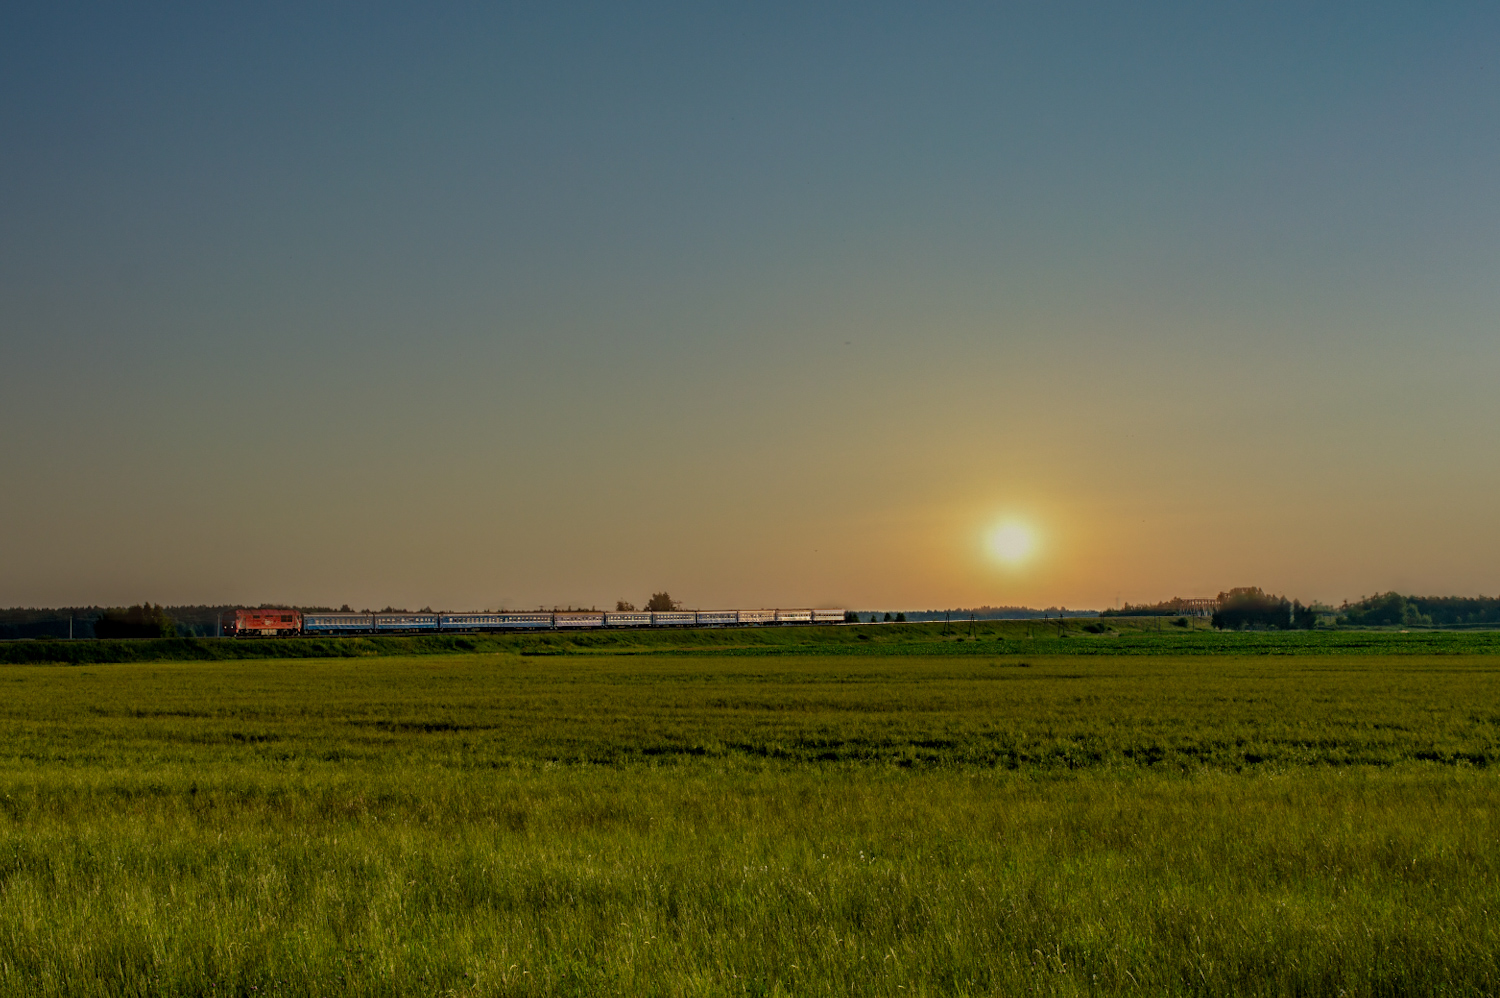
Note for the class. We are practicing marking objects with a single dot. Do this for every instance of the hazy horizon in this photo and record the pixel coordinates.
(774, 306)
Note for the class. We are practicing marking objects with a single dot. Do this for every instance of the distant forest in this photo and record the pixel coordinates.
(1421, 611)
(143, 620)
(1250, 607)
(996, 613)
(1174, 607)
(1237, 609)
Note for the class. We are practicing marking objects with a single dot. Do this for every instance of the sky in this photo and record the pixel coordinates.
(863, 305)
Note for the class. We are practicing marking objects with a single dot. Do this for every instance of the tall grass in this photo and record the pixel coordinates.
(697, 826)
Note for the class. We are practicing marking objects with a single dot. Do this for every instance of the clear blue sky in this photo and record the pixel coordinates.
(549, 303)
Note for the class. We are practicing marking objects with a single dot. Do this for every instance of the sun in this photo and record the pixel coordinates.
(1012, 542)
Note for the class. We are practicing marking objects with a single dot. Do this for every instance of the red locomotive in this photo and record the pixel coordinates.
(267, 623)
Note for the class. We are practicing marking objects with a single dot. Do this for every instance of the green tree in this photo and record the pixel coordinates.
(1385, 609)
(1249, 606)
(662, 603)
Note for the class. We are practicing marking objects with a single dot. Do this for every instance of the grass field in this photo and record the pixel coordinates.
(968, 819)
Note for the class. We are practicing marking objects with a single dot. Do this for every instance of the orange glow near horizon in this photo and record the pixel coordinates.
(988, 324)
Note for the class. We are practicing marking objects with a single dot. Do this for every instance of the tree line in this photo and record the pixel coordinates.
(1175, 607)
(1392, 608)
(1238, 609)
(1250, 606)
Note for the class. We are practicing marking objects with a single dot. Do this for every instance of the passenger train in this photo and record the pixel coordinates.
(275, 622)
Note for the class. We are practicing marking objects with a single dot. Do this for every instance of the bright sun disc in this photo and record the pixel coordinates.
(1012, 542)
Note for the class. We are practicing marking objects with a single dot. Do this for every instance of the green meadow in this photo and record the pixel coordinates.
(1091, 813)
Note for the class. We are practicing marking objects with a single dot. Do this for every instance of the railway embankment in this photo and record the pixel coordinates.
(1076, 636)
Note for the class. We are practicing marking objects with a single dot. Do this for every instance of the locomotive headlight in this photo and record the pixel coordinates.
(1011, 542)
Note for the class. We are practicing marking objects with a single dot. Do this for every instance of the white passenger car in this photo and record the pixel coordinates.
(674, 618)
(469, 621)
(578, 619)
(717, 618)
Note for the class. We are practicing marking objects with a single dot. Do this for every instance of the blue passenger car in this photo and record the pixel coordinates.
(468, 621)
(532, 620)
(336, 623)
(406, 622)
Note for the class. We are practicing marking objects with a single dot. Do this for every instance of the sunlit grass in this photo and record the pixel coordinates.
(500, 825)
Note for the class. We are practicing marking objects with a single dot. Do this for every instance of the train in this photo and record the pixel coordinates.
(276, 622)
